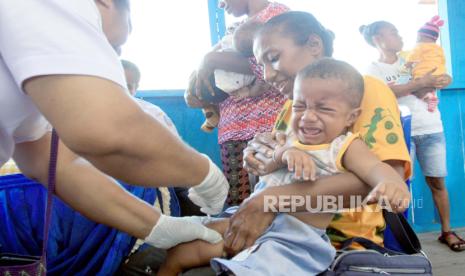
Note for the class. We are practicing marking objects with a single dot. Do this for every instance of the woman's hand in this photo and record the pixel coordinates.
(247, 224)
(204, 72)
(442, 81)
(189, 95)
(259, 152)
(427, 81)
(430, 83)
(434, 81)
(203, 81)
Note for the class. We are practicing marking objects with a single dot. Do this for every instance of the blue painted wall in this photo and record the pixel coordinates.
(452, 106)
(187, 121)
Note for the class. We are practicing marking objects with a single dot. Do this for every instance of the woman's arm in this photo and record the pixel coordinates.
(362, 162)
(82, 109)
(427, 81)
(99, 198)
(228, 61)
(401, 90)
(251, 220)
(129, 144)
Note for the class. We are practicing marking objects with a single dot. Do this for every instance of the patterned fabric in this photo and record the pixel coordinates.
(238, 178)
(242, 118)
(380, 128)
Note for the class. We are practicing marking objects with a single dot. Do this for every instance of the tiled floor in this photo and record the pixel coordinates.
(445, 261)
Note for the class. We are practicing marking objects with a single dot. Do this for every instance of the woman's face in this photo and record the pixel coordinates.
(116, 23)
(282, 59)
(388, 39)
(235, 7)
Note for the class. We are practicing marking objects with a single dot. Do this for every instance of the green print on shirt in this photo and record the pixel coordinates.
(380, 116)
(281, 125)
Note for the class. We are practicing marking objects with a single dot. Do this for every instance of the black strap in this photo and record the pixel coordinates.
(368, 244)
(51, 191)
(403, 232)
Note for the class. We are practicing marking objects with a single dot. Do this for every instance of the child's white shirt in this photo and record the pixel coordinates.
(327, 159)
(230, 81)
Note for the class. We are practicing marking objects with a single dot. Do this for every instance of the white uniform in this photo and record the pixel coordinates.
(46, 38)
(158, 114)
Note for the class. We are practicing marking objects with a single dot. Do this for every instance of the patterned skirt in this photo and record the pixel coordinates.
(238, 178)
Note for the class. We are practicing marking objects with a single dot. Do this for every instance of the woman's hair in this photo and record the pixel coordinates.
(300, 25)
(370, 30)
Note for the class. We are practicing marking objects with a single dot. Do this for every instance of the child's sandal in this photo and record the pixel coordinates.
(457, 246)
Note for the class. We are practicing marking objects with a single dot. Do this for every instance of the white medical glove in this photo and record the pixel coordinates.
(199, 219)
(211, 194)
(171, 231)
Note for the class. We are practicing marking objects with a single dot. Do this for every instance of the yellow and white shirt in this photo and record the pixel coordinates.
(327, 159)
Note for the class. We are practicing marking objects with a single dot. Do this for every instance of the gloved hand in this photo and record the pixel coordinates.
(211, 194)
(170, 231)
(199, 219)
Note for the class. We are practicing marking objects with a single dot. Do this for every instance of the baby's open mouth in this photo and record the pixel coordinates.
(310, 131)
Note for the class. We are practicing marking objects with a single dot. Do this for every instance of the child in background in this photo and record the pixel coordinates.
(241, 41)
(427, 56)
(225, 83)
(132, 75)
(327, 97)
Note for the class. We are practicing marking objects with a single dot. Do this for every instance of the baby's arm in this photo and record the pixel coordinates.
(193, 254)
(366, 165)
(299, 162)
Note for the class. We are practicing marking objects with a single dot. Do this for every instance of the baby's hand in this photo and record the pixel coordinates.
(300, 163)
(394, 192)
